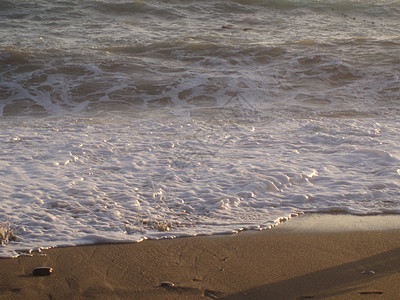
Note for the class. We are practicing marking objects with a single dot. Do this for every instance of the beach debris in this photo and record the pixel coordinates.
(367, 272)
(167, 284)
(6, 234)
(42, 271)
(160, 226)
(164, 226)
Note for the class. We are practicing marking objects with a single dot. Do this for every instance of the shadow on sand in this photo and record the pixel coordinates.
(355, 277)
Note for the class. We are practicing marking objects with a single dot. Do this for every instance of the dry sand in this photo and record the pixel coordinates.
(304, 258)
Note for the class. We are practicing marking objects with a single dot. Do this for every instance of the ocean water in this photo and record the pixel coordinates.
(127, 120)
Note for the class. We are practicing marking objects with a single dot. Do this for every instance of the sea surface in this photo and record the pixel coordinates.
(127, 120)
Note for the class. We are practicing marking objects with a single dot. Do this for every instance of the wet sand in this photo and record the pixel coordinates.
(313, 257)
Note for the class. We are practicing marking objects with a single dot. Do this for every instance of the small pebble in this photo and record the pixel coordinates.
(167, 284)
(367, 272)
(42, 271)
(197, 279)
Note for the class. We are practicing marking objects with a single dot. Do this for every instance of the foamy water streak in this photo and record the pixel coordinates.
(126, 120)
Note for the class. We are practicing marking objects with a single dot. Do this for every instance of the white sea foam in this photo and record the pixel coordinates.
(74, 181)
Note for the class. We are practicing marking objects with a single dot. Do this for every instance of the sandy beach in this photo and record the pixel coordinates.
(314, 256)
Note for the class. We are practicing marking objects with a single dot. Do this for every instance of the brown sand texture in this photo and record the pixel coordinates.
(304, 258)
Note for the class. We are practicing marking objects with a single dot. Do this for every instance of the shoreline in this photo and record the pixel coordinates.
(302, 258)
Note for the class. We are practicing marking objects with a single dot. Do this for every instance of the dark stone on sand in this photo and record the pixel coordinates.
(371, 293)
(167, 284)
(42, 271)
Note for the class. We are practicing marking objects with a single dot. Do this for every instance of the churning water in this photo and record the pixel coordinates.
(126, 120)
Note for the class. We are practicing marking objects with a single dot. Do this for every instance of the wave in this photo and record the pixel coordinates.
(182, 9)
(178, 73)
(132, 8)
(151, 74)
(112, 55)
